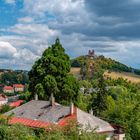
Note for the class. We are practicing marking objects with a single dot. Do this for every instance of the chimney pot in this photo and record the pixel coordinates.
(36, 97)
(91, 111)
(52, 100)
(71, 108)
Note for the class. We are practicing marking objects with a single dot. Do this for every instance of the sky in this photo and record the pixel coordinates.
(28, 27)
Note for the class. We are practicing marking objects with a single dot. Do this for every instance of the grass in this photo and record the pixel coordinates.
(76, 72)
(114, 75)
(129, 76)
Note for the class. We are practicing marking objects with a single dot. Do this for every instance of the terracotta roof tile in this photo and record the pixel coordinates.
(18, 86)
(29, 122)
(16, 104)
(8, 88)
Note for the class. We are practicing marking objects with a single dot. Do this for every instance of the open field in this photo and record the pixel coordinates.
(75, 70)
(129, 76)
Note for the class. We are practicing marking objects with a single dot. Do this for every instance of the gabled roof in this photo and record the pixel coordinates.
(35, 112)
(41, 124)
(8, 88)
(18, 86)
(91, 122)
(41, 110)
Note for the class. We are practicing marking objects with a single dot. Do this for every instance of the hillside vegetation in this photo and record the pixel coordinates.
(134, 78)
(81, 67)
(114, 100)
(9, 77)
(125, 75)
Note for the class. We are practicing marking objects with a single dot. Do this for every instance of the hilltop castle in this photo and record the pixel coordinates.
(91, 54)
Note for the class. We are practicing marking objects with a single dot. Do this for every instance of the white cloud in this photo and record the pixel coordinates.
(7, 50)
(25, 55)
(25, 20)
(10, 1)
(79, 29)
(30, 40)
(39, 7)
(18, 58)
(36, 30)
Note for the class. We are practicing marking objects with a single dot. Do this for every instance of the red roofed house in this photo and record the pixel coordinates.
(40, 114)
(18, 87)
(3, 99)
(8, 89)
(16, 104)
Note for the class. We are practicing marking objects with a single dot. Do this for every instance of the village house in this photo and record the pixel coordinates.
(40, 114)
(16, 103)
(3, 99)
(18, 87)
(8, 89)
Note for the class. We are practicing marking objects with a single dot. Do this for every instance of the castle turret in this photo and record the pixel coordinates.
(91, 54)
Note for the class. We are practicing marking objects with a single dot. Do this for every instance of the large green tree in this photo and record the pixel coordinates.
(50, 74)
(100, 98)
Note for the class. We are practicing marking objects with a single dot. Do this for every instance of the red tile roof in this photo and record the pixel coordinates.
(66, 119)
(16, 104)
(29, 122)
(18, 86)
(8, 88)
(42, 124)
(57, 114)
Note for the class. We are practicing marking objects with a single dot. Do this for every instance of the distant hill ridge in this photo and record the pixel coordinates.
(103, 63)
(90, 66)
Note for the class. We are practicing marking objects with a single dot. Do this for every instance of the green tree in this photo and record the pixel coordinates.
(51, 72)
(100, 99)
(5, 108)
(86, 84)
(39, 90)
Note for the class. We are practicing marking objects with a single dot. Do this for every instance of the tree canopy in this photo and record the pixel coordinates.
(50, 74)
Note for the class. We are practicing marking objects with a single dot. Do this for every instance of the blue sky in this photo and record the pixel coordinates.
(28, 27)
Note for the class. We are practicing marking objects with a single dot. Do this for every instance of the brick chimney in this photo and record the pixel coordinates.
(36, 97)
(52, 100)
(91, 112)
(71, 108)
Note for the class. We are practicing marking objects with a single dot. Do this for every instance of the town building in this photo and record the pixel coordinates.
(3, 99)
(16, 103)
(18, 87)
(40, 114)
(8, 89)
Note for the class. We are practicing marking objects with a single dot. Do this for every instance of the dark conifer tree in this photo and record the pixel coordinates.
(100, 100)
(51, 75)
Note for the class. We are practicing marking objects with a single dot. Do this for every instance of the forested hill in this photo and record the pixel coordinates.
(102, 63)
(9, 77)
(83, 65)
